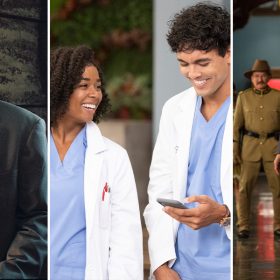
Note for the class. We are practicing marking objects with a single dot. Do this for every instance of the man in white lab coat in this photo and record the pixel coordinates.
(192, 158)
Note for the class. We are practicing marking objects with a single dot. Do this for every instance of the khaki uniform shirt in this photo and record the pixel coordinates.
(259, 113)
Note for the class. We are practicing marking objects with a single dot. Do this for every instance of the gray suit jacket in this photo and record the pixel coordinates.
(23, 194)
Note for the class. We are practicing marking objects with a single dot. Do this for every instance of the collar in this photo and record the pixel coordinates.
(188, 99)
(263, 91)
(95, 140)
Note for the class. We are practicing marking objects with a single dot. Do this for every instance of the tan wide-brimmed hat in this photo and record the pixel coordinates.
(259, 66)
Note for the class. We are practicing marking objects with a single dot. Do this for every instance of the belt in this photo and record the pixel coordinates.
(261, 135)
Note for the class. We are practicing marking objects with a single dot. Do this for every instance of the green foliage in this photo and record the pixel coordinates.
(91, 23)
(120, 33)
(55, 5)
(121, 61)
(131, 96)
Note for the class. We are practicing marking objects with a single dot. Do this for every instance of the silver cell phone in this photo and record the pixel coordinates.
(171, 202)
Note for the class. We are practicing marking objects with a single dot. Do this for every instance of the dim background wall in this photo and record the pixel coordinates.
(23, 54)
(260, 38)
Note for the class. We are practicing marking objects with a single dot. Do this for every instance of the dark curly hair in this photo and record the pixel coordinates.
(203, 26)
(67, 67)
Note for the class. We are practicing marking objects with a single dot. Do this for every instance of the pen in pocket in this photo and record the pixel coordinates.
(106, 189)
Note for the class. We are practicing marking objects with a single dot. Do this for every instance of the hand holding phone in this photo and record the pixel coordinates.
(171, 202)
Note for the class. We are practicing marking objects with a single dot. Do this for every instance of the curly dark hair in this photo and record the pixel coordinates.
(67, 67)
(203, 26)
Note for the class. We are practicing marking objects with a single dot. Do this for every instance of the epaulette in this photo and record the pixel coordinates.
(277, 90)
(245, 90)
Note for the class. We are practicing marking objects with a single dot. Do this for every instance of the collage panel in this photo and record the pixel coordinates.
(94, 195)
(192, 154)
(100, 142)
(139, 130)
(23, 142)
(256, 78)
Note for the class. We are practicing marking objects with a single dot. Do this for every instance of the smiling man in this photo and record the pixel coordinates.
(192, 156)
(256, 132)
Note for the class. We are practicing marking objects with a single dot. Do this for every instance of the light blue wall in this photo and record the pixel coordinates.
(260, 38)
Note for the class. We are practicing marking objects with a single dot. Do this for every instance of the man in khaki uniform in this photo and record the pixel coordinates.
(257, 118)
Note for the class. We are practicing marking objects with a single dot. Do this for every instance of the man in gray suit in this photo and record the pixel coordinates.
(23, 194)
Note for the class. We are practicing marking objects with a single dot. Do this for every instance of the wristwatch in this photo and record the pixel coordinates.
(225, 221)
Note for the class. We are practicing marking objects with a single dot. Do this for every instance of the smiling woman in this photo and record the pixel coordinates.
(85, 98)
(94, 206)
(69, 74)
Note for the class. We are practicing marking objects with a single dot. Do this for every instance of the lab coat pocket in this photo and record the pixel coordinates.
(104, 212)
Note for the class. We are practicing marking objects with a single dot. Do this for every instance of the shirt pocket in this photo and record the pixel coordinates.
(250, 117)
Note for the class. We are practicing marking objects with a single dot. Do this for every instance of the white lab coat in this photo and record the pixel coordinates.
(168, 173)
(114, 233)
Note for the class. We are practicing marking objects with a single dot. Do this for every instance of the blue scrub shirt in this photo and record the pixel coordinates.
(205, 253)
(67, 211)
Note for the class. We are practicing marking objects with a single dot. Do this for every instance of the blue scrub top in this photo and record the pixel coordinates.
(205, 253)
(67, 211)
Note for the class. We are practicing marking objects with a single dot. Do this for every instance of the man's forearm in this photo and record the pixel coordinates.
(164, 272)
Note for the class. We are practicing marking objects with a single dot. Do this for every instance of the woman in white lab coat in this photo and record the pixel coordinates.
(95, 228)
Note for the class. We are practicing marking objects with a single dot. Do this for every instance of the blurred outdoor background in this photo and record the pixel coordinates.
(120, 32)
